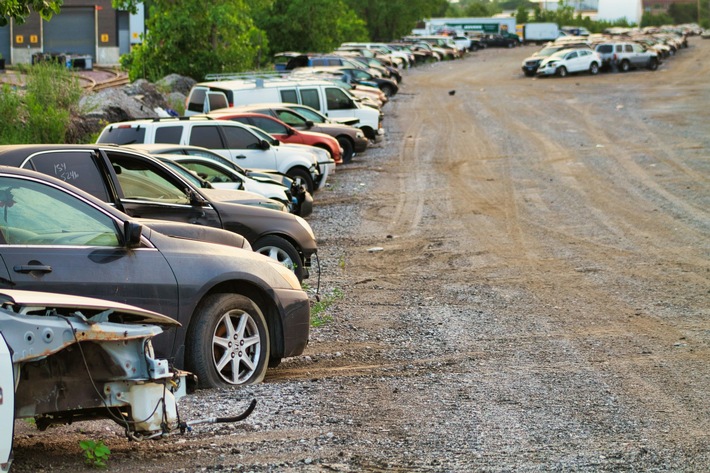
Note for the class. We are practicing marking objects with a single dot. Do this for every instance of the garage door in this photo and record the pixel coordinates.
(71, 32)
(5, 43)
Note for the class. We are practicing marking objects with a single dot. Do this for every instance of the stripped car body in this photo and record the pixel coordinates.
(70, 358)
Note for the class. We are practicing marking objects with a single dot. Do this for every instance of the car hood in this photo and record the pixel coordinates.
(19, 299)
(191, 231)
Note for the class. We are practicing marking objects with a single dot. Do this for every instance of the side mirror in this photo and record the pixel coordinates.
(309, 123)
(132, 234)
(263, 144)
(195, 198)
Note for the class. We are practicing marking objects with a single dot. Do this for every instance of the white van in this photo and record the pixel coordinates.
(326, 97)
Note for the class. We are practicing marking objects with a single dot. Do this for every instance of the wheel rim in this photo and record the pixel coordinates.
(236, 347)
(279, 255)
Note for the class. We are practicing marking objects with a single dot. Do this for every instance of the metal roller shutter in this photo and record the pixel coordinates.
(71, 32)
(5, 43)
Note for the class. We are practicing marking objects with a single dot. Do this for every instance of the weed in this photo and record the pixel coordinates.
(319, 317)
(96, 453)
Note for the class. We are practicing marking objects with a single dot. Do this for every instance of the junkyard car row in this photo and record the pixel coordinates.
(189, 271)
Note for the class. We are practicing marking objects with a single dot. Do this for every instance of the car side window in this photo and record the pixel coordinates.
(572, 55)
(269, 126)
(197, 100)
(310, 98)
(168, 134)
(206, 136)
(79, 168)
(38, 214)
(289, 96)
(142, 180)
(239, 138)
(337, 100)
(628, 48)
(618, 48)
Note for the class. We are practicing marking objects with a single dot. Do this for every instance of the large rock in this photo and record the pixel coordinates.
(176, 83)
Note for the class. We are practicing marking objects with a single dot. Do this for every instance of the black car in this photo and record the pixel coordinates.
(143, 187)
(498, 41)
(239, 311)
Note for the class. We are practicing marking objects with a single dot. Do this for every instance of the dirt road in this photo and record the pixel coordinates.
(526, 274)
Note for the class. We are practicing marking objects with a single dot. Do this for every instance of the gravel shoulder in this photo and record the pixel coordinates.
(525, 275)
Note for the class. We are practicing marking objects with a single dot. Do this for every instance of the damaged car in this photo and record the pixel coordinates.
(69, 358)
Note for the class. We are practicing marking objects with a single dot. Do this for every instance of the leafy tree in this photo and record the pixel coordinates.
(522, 15)
(683, 12)
(309, 25)
(19, 10)
(658, 19)
(389, 19)
(194, 38)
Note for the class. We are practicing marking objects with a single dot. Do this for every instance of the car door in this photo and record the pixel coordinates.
(149, 190)
(235, 143)
(55, 241)
(572, 61)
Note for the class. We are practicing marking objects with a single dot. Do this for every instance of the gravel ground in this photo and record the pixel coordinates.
(519, 281)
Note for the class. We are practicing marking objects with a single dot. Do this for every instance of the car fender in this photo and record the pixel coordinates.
(7, 405)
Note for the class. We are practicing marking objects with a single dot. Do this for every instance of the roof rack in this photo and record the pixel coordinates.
(245, 75)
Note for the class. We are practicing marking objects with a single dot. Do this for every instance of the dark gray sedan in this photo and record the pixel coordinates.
(240, 311)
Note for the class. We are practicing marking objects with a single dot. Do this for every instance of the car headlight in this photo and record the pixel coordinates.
(286, 273)
(306, 226)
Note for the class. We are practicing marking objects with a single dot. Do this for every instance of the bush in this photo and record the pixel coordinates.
(42, 111)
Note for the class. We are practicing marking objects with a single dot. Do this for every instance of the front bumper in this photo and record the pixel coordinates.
(360, 144)
(295, 321)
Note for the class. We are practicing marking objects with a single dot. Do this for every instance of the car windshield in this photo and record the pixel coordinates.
(263, 135)
(309, 114)
(559, 54)
(186, 173)
(547, 51)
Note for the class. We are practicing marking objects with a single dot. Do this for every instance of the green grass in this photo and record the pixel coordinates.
(319, 314)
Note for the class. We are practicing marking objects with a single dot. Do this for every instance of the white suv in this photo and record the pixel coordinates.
(569, 61)
(239, 143)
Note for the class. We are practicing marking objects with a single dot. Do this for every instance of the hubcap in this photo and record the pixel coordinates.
(279, 255)
(236, 347)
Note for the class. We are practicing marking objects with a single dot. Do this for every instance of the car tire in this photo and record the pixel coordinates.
(301, 176)
(529, 73)
(624, 66)
(389, 90)
(594, 69)
(348, 149)
(228, 342)
(511, 45)
(562, 71)
(282, 251)
(653, 64)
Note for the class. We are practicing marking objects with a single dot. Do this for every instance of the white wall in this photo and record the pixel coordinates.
(615, 9)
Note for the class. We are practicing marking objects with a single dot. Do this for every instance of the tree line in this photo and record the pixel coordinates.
(194, 37)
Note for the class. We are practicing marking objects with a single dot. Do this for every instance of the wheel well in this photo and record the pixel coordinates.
(345, 137)
(325, 147)
(369, 132)
(265, 303)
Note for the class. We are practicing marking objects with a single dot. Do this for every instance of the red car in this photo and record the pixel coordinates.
(284, 132)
